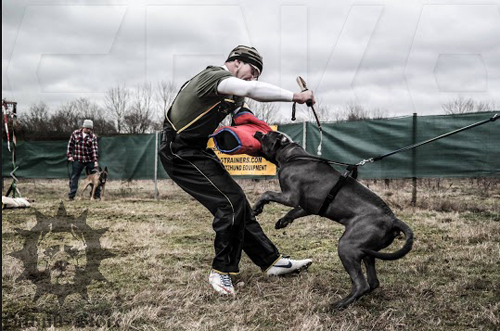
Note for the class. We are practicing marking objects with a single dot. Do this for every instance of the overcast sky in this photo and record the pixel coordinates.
(402, 56)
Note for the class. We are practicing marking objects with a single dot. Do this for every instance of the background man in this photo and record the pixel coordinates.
(197, 110)
(82, 151)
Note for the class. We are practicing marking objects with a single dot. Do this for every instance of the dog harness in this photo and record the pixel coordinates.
(351, 171)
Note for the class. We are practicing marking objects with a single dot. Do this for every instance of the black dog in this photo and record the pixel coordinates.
(369, 223)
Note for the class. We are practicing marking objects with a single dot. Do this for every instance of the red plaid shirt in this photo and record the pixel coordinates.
(83, 149)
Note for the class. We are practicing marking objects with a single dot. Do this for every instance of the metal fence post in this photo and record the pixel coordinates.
(156, 166)
(304, 135)
(414, 162)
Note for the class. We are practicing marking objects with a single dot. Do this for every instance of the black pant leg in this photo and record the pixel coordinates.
(202, 176)
(259, 248)
(76, 171)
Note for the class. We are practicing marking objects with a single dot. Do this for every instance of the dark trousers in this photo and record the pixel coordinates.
(75, 177)
(202, 175)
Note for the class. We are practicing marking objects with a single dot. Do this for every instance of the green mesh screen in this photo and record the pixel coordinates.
(472, 153)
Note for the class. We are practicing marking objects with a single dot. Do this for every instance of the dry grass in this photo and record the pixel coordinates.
(158, 279)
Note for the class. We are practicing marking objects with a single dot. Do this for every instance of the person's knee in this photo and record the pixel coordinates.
(239, 203)
(224, 219)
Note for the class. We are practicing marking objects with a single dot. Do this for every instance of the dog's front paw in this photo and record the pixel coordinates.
(257, 209)
(282, 223)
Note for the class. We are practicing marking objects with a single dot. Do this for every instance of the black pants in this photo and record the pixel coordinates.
(202, 175)
(76, 171)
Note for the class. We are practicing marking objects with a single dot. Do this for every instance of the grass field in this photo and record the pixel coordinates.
(158, 278)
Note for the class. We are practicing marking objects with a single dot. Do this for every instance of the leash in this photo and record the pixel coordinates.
(303, 86)
(470, 126)
(352, 169)
(319, 159)
(406, 148)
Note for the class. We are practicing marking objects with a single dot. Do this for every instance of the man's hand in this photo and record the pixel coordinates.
(70, 159)
(96, 165)
(303, 97)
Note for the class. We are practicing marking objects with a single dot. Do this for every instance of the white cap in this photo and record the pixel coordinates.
(88, 124)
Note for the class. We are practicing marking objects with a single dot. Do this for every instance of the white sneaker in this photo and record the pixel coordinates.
(221, 283)
(285, 265)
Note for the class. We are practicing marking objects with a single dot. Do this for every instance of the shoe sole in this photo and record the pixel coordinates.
(223, 292)
(294, 272)
(303, 268)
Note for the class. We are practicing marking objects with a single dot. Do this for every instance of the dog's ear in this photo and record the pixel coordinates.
(106, 169)
(100, 169)
(258, 135)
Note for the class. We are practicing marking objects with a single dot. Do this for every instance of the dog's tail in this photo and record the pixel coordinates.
(401, 226)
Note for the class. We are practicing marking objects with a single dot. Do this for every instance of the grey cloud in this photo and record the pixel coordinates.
(379, 53)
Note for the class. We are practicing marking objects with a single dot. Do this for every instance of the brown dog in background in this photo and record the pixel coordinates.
(94, 180)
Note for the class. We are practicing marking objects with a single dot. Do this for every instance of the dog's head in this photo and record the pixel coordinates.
(272, 142)
(103, 175)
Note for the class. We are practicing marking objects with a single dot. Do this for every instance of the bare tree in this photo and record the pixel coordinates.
(83, 108)
(353, 111)
(37, 120)
(485, 105)
(304, 113)
(379, 113)
(66, 118)
(165, 94)
(459, 105)
(138, 119)
(462, 105)
(323, 111)
(117, 101)
(266, 111)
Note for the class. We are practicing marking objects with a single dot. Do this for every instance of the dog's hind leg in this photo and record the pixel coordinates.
(351, 256)
(92, 192)
(85, 187)
(290, 217)
(371, 273)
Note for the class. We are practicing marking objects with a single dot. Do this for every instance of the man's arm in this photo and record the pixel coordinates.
(95, 149)
(261, 91)
(71, 146)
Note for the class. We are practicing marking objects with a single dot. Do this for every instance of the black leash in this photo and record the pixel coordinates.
(352, 169)
(318, 159)
(380, 157)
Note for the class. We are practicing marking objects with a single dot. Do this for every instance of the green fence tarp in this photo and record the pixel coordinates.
(471, 153)
(127, 157)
